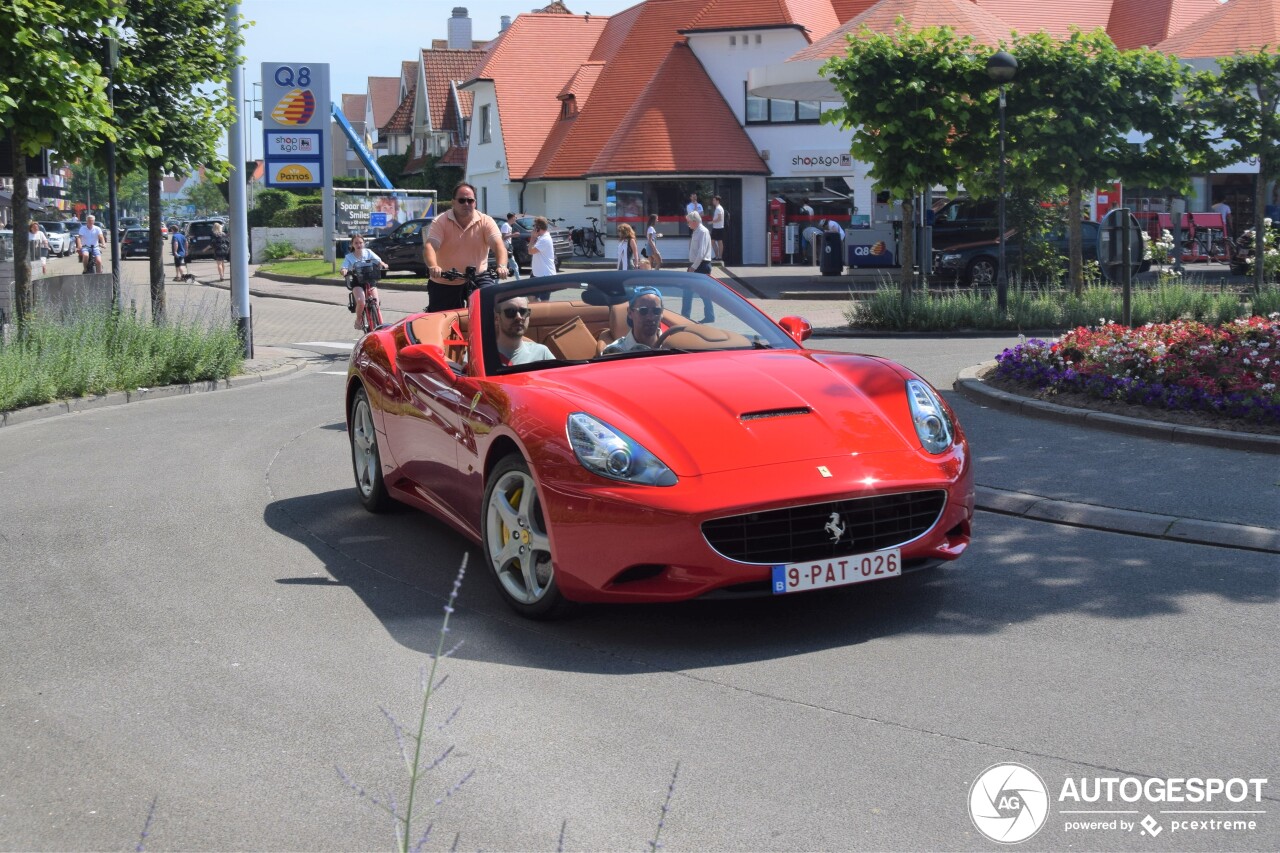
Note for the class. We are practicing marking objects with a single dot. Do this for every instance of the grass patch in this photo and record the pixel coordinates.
(97, 351)
(1032, 306)
(322, 269)
(306, 268)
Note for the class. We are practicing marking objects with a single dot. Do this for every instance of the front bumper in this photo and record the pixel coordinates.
(645, 544)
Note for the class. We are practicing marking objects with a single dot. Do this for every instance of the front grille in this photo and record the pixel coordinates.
(800, 533)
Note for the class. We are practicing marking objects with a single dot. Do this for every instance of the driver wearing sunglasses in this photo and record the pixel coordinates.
(644, 319)
(511, 321)
(460, 237)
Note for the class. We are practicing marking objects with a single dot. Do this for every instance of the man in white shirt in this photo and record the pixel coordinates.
(511, 321)
(694, 206)
(1222, 208)
(717, 226)
(90, 239)
(699, 261)
(541, 249)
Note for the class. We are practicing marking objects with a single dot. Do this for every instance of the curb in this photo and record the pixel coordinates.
(974, 389)
(137, 395)
(1131, 522)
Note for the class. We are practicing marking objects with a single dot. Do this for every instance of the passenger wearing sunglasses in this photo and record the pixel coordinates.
(460, 237)
(511, 321)
(644, 319)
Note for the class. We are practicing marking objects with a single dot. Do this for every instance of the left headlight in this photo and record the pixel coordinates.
(932, 422)
(611, 453)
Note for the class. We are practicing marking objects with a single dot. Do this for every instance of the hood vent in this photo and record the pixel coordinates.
(775, 413)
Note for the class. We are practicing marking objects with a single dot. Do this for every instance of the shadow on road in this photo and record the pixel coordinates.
(402, 565)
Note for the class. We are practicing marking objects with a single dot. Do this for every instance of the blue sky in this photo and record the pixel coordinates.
(370, 39)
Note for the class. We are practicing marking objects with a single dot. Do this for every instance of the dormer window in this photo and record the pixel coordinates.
(568, 106)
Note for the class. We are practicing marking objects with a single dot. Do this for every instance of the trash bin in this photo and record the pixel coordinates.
(832, 254)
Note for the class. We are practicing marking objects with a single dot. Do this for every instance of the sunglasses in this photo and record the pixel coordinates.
(512, 313)
(646, 310)
(464, 201)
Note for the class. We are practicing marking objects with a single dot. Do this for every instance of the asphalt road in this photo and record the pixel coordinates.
(195, 610)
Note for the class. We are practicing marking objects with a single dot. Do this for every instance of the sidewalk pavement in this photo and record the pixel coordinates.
(1033, 460)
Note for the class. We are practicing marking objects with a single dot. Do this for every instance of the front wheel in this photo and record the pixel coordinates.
(517, 546)
(366, 461)
(599, 246)
(372, 315)
(982, 272)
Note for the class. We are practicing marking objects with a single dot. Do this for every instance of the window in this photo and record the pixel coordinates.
(593, 193)
(568, 107)
(485, 135)
(733, 40)
(775, 111)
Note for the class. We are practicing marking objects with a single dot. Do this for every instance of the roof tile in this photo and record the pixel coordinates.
(1055, 17)
(384, 97)
(442, 69)
(1240, 25)
(963, 16)
(816, 17)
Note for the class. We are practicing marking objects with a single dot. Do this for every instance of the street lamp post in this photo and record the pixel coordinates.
(117, 293)
(1000, 68)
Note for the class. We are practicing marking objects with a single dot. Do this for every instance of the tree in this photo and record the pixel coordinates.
(913, 100)
(52, 95)
(172, 104)
(1072, 110)
(1241, 101)
(205, 197)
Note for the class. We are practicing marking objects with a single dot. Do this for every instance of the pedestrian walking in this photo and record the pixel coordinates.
(221, 249)
(38, 247)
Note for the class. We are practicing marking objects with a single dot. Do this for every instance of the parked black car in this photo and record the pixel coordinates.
(965, 220)
(136, 241)
(560, 238)
(401, 249)
(976, 263)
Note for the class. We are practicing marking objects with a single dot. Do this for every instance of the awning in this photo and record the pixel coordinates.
(6, 200)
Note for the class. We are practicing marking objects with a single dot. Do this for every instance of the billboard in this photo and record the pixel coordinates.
(295, 122)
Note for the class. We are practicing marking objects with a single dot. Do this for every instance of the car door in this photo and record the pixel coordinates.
(405, 247)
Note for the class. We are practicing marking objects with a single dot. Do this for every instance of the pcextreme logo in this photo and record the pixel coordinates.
(294, 173)
(296, 107)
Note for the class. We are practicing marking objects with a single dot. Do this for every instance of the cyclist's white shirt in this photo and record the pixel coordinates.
(366, 255)
(90, 237)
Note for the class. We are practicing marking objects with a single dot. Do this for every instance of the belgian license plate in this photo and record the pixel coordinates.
(840, 571)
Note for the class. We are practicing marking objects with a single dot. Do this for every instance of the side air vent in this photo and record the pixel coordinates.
(775, 413)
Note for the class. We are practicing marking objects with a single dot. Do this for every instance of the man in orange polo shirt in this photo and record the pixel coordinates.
(459, 238)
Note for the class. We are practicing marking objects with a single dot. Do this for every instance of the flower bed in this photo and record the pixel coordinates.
(1232, 370)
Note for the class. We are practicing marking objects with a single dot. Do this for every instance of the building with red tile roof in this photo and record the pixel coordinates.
(616, 117)
(344, 161)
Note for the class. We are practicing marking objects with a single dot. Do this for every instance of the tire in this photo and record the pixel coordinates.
(517, 546)
(372, 315)
(981, 272)
(366, 461)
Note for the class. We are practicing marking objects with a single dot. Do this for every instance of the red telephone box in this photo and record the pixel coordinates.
(777, 228)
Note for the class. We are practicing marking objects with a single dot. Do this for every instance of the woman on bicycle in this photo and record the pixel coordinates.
(359, 254)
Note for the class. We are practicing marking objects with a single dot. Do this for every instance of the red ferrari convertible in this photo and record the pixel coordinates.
(600, 444)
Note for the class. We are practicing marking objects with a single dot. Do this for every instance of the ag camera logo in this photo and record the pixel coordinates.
(1008, 803)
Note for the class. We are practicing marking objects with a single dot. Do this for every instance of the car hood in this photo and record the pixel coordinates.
(710, 412)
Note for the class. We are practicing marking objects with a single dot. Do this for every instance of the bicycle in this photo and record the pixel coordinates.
(472, 280)
(92, 259)
(587, 240)
(365, 274)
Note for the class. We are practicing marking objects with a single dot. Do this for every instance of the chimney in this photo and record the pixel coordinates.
(506, 22)
(459, 29)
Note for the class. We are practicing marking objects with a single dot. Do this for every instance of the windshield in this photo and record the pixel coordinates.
(598, 318)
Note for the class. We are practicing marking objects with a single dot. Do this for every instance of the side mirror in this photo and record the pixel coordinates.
(421, 358)
(797, 327)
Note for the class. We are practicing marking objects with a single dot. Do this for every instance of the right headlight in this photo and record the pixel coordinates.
(611, 453)
(933, 424)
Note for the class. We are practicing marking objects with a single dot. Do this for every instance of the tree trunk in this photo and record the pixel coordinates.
(1075, 239)
(23, 292)
(908, 248)
(156, 254)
